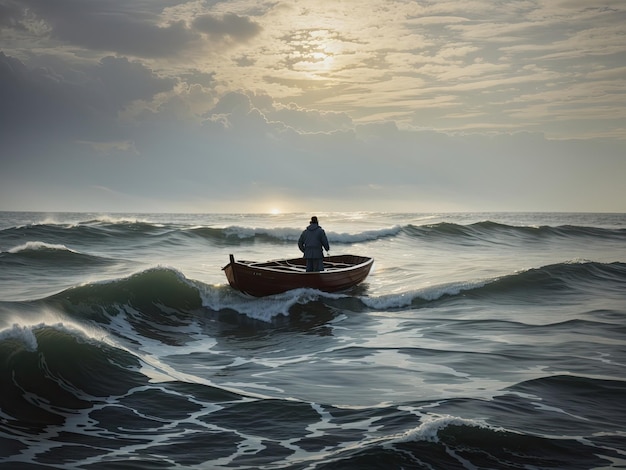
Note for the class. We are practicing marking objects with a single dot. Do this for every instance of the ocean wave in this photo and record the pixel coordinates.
(120, 220)
(448, 441)
(103, 228)
(22, 337)
(158, 284)
(266, 309)
(419, 297)
(497, 232)
(160, 302)
(164, 294)
(236, 233)
(48, 371)
(81, 232)
(570, 397)
(94, 231)
(39, 246)
(59, 255)
(486, 231)
(77, 219)
(430, 426)
(570, 276)
(156, 296)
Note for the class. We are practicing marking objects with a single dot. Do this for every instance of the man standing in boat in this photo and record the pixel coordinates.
(311, 242)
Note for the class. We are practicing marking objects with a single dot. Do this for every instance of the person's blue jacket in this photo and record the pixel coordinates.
(312, 240)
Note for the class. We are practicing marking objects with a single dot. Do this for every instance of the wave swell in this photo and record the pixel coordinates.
(489, 230)
(103, 230)
(48, 371)
(164, 295)
(37, 253)
(572, 277)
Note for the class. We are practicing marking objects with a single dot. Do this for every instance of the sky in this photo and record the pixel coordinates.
(301, 105)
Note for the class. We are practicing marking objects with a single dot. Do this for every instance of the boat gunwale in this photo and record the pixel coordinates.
(329, 270)
(259, 279)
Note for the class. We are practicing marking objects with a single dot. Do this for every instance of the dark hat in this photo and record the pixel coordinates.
(314, 220)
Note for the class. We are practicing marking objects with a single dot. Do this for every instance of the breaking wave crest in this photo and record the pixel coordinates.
(40, 253)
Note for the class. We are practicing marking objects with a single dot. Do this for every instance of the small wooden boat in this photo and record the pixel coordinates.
(273, 277)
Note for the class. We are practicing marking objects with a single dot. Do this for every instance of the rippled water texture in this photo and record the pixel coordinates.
(478, 341)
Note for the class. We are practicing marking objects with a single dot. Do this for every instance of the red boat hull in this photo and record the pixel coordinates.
(273, 277)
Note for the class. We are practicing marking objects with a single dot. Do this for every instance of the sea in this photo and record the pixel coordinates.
(478, 341)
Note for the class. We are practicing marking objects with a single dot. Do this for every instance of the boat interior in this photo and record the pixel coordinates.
(295, 265)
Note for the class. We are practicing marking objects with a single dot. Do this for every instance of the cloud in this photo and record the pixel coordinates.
(396, 105)
(229, 25)
(69, 99)
(114, 26)
(121, 27)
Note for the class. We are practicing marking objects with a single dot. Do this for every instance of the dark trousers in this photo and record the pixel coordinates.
(314, 264)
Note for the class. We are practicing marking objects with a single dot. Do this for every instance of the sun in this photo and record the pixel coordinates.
(314, 51)
(275, 211)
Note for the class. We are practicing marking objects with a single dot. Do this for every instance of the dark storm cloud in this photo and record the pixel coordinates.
(230, 25)
(125, 81)
(11, 15)
(121, 26)
(45, 101)
(111, 25)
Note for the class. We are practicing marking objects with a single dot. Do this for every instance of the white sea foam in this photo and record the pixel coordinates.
(430, 425)
(405, 299)
(281, 233)
(367, 235)
(25, 333)
(218, 297)
(21, 333)
(291, 234)
(37, 245)
(263, 308)
(110, 219)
